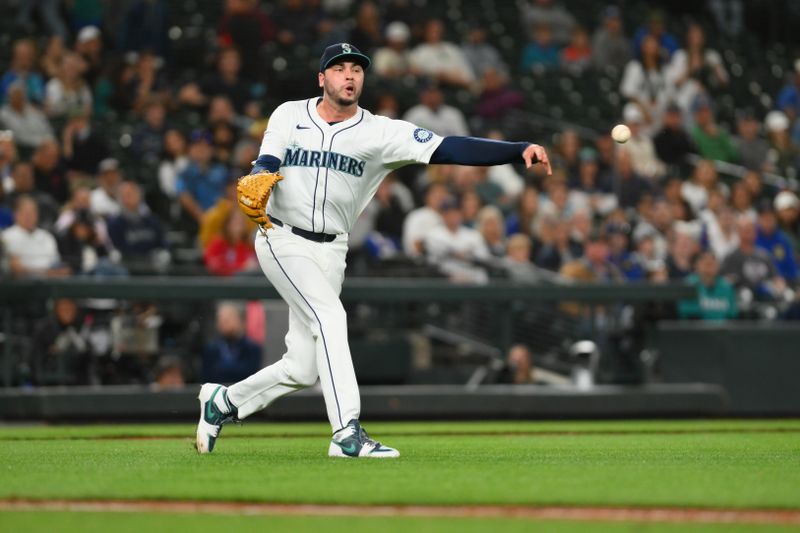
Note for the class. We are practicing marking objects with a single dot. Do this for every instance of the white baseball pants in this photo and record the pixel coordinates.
(308, 275)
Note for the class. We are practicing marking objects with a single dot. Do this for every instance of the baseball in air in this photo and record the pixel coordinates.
(621, 133)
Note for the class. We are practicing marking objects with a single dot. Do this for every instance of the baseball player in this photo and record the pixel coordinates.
(332, 155)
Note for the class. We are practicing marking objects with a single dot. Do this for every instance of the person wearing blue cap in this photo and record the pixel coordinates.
(332, 156)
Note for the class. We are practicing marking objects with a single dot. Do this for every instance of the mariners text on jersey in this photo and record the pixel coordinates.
(299, 157)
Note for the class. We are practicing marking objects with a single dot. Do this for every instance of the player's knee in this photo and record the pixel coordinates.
(303, 377)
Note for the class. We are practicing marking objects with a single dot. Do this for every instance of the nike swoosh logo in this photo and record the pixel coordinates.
(299, 127)
(209, 413)
(349, 450)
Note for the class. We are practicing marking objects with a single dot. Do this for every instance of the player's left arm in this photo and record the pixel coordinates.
(474, 151)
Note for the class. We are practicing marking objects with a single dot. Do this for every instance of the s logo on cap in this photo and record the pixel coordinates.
(346, 48)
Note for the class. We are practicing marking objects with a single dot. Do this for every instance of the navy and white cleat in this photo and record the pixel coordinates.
(215, 410)
(353, 441)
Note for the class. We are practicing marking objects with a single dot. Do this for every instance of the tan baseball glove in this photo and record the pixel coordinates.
(253, 193)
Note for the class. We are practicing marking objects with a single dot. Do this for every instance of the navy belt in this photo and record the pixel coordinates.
(310, 235)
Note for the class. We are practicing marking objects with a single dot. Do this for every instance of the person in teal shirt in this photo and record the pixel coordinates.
(716, 299)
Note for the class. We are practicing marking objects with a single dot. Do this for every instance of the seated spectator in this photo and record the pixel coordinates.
(524, 218)
(704, 182)
(695, 70)
(673, 143)
(385, 239)
(517, 262)
(441, 60)
(683, 249)
(556, 247)
(567, 154)
(629, 186)
(646, 254)
(136, 233)
(541, 53)
(456, 250)
(232, 252)
(148, 135)
(68, 92)
(83, 249)
(644, 83)
(394, 59)
(31, 251)
(640, 146)
(103, 200)
(78, 204)
(656, 29)
(595, 264)
(721, 232)
(366, 34)
(491, 226)
(753, 150)
(145, 26)
(784, 155)
(202, 183)
(433, 114)
(621, 255)
(22, 178)
(29, 125)
(230, 356)
(48, 171)
(146, 81)
(774, 241)
(481, 55)
(577, 56)
(716, 299)
(711, 140)
(751, 268)
(82, 146)
(592, 192)
(558, 203)
(742, 200)
(22, 72)
(63, 351)
(497, 99)
(610, 47)
(554, 15)
(174, 160)
(787, 208)
(422, 219)
(50, 62)
(89, 44)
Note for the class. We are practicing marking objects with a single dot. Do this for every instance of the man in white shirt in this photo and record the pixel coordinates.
(441, 60)
(420, 221)
(433, 114)
(31, 251)
(29, 125)
(456, 249)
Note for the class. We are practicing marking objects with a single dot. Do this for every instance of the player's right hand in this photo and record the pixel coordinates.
(536, 154)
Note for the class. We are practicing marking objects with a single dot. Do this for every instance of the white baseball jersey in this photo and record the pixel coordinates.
(332, 171)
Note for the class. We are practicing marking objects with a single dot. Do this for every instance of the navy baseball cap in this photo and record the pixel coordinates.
(342, 52)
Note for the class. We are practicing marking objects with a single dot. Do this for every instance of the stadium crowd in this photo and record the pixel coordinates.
(77, 200)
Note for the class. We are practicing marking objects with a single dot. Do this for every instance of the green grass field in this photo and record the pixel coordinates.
(709, 464)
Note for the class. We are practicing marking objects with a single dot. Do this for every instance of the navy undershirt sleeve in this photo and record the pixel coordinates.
(474, 151)
(266, 163)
